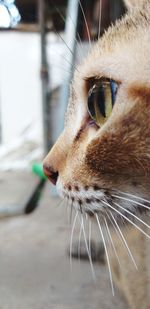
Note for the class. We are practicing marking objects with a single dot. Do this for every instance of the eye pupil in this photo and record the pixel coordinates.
(101, 99)
(91, 107)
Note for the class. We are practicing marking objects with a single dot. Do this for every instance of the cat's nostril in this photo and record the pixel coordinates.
(50, 173)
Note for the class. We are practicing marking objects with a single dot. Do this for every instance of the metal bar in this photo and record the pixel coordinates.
(45, 79)
(70, 40)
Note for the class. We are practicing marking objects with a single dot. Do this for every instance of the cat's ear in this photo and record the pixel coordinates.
(134, 3)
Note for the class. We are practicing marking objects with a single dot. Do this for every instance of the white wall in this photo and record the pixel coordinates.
(20, 87)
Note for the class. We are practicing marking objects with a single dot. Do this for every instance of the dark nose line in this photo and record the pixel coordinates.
(50, 173)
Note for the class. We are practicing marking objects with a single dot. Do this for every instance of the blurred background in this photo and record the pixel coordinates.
(41, 43)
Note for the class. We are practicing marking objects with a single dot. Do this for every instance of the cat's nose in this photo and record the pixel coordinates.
(50, 173)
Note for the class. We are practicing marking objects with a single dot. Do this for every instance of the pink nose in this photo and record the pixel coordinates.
(50, 173)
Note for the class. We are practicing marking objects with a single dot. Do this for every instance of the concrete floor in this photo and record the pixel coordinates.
(35, 269)
(16, 190)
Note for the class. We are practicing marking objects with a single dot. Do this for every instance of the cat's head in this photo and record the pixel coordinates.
(102, 158)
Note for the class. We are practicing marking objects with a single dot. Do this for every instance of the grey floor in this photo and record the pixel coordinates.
(35, 269)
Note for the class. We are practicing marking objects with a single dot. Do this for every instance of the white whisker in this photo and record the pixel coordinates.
(131, 201)
(79, 242)
(134, 196)
(87, 248)
(71, 237)
(114, 226)
(124, 240)
(133, 215)
(60, 204)
(108, 230)
(90, 233)
(68, 209)
(107, 257)
(71, 211)
(137, 227)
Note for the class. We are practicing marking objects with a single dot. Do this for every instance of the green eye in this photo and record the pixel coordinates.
(101, 99)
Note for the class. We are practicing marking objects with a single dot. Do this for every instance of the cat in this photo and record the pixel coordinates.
(101, 161)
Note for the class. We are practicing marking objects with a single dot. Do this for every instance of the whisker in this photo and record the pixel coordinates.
(131, 201)
(63, 18)
(65, 59)
(86, 24)
(71, 237)
(137, 227)
(80, 41)
(90, 233)
(81, 55)
(133, 215)
(61, 202)
(107, 256)
(87, 248)
(77, 31)
(71, 211)
(79, 243)
(68, 208)
(134, 196)
(64, 41)
(114, 226)
(108, 230)
(124, 240)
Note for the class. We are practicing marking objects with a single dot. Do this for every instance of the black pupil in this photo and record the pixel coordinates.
(101, 100)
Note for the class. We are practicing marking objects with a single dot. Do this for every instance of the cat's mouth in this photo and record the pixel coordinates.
(117, 206)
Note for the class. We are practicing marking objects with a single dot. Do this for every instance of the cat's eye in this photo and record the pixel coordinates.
(101, 99)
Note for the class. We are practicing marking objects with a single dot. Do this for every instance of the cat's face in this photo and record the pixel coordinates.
(96, 162)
